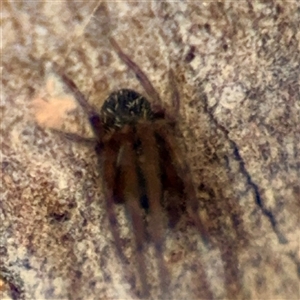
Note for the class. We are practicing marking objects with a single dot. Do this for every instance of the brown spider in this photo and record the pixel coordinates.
(142, 165)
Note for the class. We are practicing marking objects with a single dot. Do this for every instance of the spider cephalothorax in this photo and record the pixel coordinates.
(125, 107)
(141, 164)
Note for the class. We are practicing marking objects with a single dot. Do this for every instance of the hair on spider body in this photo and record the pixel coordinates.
(125, 106)
(141, 164)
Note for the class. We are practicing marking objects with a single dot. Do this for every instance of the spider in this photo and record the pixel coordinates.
(141, 164)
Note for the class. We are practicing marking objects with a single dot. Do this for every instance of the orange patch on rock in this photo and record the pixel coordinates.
(51, 105)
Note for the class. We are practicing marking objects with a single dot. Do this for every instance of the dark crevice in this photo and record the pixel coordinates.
(244, 171)
(296, 261)
(257, 196)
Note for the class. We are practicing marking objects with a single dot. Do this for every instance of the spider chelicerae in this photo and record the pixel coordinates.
(142, 166)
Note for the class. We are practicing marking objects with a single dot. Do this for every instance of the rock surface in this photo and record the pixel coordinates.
(236, 65)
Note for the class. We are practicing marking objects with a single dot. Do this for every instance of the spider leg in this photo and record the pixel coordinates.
(132, 196)
(157, 104)
(175, 98)
(108, 160)
(150, 165)
(72, 87)
(141, 76)
(94, 117)
(174, 203)
(182, 167)
(184, 173)
(76, 137)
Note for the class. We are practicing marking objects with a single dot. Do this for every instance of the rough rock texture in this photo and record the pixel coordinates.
(237, 70)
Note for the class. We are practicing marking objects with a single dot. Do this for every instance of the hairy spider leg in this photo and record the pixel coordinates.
(183, 169)
(174, 97)
(76, 138)
(150, 165)
(131, 198)
(185, 175)
(156, 103)
(74, 89)
(107, 158)
(174, 203)
(94, 117)
(107, 155)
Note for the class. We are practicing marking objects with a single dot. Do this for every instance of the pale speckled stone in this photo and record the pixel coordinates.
(239, 89)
